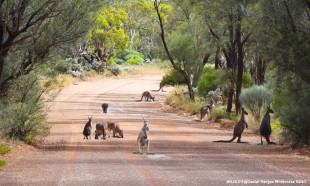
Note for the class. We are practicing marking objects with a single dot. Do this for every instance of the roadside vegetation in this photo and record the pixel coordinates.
(190, 43)
(3, 150)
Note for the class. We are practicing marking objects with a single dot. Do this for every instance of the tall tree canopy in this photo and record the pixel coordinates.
(30, 29)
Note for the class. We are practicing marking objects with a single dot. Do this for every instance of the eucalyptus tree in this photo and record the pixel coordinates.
(229, 22)
(140, 25)
(29, 30)
(285, 42)
(184, 38)
(108, 32)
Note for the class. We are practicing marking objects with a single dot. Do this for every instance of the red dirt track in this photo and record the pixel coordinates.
(183, 151)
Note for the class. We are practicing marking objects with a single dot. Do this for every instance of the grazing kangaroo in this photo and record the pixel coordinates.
(207, 109)
(96, 135)
(101, 129)
(239, 128)
(87, 128)
(147, 95)
(105, 107)
(117, 131)
(265, 128)
(143, 138)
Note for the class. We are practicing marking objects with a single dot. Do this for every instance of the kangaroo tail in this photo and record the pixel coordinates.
(268, 141)
(141, 98)
(228, 141)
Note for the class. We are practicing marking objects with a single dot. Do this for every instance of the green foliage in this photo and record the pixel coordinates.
(131, 57)
(291, 103)
(276, 127)
(211, 79)
(2, 162)
(23, 122)
(255, 99)
(173, 77)
(109, 29)
(22, 116)
(61, 66)
(219, 113)
(286, 46)
(4, 149)
(183, 102)
(247, 80)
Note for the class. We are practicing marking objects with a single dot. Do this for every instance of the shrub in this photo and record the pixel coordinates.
(23, 116)
(23, 121)
(247, 80)
(255, 99)
(173, 77)
(130, 57)
(211, 79)
(182, 101)
(4, 149)
(219, 113)
(2, 163)
(115, 70)
(291, 103)
(61, 66)
(215, 96)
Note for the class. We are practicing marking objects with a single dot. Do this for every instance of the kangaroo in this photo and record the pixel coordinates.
(147, 95)
(207, 109)
(161, 86)
(87, 128)
(101, 129)
(239, 128)
(105, 107)
(117, 131)
(143, 138)
(265, 128)
(96, 135)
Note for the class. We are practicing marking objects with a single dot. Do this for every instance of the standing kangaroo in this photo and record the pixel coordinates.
(143, 138)
(87, 128)
(239, 128)
(265, 128)
(147, 95)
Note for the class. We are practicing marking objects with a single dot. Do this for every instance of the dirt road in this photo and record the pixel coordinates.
(183, 150)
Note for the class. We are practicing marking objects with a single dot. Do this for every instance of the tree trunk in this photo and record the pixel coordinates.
(240, 61)
(231, 62)
(162, 35)
(217, 59)
(2, 61)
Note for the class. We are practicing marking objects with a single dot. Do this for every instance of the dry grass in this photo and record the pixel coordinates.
(58, 82)
(149, 69)
(181, 101)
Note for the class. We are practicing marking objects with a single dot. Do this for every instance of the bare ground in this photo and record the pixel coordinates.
(182, 149)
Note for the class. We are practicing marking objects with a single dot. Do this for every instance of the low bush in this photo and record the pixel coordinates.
(173, 77)
(255, 99)
(182, 101)
(4, 149)
(2, 162)
(211, 79)
(131, 57)
(22, 117)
